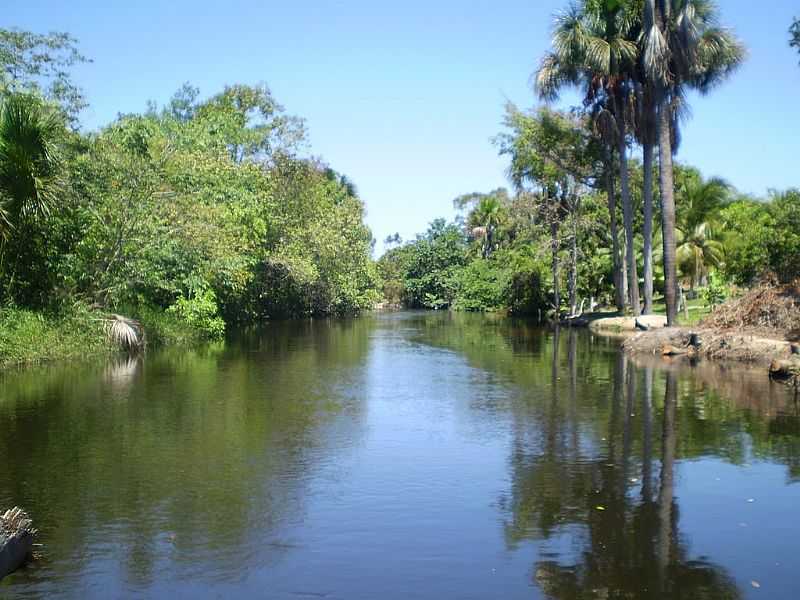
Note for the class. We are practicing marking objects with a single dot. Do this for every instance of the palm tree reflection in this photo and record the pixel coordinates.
(631, 547)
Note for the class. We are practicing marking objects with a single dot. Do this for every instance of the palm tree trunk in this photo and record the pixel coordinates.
(647, 227)
(627, 217)
(667, 209)
(619, 289)
(555, 265)
(665, 493)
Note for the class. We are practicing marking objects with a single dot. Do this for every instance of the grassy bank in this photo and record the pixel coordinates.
(28, 336)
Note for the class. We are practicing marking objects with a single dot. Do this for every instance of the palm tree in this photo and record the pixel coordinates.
(487, 214)
(697, 253)
(485, 220)
(682, 47)
(29, 163)
(646, 134)
(594, 49)
(699, 202)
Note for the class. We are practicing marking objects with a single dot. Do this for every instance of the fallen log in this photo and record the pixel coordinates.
(16, 540)
(785, 369)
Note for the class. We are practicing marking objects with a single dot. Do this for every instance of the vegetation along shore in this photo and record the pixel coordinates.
(171, 225)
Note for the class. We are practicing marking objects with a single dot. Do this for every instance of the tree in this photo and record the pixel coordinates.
(252, 123)
(700, 201)
(30, 179)
(682, 47)
(697, 252)
(29, 158)
(594, 49)
(486, 217)
(646, 130)
(554, 155)
(794, 33)
(39, 64)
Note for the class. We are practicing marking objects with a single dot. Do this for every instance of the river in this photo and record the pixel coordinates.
(403, 455)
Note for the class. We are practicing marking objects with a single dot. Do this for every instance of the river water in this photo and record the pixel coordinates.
(405, 455)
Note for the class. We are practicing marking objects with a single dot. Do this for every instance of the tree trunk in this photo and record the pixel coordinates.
(572, 281)
(665, 495)
(554, 250)
(619, 289)
(647, 433)
(627, 217)
(667, 210)
(647, 227)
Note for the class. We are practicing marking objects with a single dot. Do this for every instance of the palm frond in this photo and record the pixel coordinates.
(125, 333)
(29, 160)
(656, 56)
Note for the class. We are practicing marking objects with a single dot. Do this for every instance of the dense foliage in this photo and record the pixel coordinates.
(202, 210)
(723, 238)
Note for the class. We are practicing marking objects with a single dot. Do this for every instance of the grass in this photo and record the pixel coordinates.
(697, 309)
(28, 336)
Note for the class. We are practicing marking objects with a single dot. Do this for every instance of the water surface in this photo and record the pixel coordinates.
(406, 455)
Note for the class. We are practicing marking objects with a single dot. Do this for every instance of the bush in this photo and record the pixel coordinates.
(715, 292)
(200, 312)
(482, 285)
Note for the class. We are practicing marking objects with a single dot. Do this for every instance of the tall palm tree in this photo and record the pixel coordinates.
(29, 163)
(594, 49)
(682, 47)
(646, 134)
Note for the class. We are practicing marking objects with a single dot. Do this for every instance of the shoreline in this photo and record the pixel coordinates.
(744, 346)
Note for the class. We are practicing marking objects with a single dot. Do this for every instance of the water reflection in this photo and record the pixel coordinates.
(595, 454)
(423, 455)
(187, 463)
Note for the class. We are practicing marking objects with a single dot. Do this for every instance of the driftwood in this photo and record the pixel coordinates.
(16, 540)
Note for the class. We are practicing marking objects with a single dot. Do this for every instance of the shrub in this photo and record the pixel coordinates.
(200, 311)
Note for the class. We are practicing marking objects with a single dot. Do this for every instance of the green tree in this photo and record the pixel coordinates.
(29, 158)
(553, 155)
(40, 64)
(594, 49)
(486, 217)
(682, 47)
(794, 34)
(30, 179)
(699, 201)
(697, 252)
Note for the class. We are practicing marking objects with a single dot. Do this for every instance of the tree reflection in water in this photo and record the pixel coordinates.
(631, 546)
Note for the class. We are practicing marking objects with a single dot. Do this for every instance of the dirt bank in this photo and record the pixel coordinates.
(743, 345)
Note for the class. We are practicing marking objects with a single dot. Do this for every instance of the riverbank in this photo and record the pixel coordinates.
(751, 346)
(760, 326)
(30, 337)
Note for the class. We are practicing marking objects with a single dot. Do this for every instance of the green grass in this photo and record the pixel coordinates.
(28, 336)
(697, 309)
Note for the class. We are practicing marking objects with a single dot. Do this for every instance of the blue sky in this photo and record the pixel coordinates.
(404, 97)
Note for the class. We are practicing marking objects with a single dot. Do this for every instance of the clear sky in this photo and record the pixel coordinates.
(403, 97)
